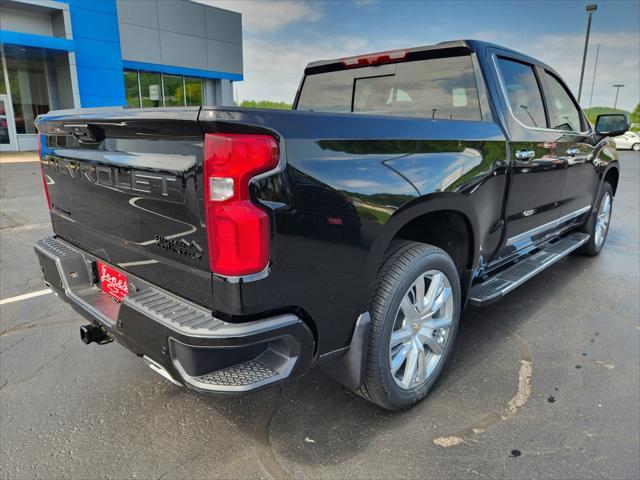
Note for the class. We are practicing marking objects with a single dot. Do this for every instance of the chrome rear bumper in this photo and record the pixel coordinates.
(178, 339)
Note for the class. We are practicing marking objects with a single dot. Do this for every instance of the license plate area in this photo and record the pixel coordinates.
(112, 282)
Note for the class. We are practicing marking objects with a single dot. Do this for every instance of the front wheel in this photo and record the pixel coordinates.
(598, 225)
(635, 147)
(414, 320)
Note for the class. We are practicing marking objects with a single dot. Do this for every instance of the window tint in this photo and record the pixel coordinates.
(131, 88)
(524, 93)
(435, 88)
(173, 91)
(375, 95)
(193, 87)
(160, 89)
(29, 92)
(3, 87)
(438, 88)
(327, 92)
(150, 87)
(563, 112)
(4, 127)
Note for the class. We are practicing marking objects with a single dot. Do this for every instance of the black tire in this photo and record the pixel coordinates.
(403, 264)
(592, 248)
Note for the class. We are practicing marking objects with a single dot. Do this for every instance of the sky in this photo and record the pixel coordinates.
(281, 37)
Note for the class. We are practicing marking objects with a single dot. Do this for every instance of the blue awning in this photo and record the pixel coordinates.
(187, 72)
(9, 37)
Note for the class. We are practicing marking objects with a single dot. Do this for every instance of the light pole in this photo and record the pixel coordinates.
(593, 81)
(590, 9)
(617, 86)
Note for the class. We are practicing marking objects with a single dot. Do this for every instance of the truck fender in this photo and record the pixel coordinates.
(606, 160)
(421, 206)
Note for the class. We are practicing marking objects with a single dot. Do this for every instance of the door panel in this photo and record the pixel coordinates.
(581, 176)
(537, 161)
(536, 186)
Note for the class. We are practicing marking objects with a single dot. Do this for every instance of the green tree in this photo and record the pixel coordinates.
(635, 118)
(266, 104)
(593, 112)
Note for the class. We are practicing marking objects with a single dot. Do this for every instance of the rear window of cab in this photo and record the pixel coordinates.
(439, 88)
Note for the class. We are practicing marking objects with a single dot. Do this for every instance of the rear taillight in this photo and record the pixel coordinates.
(44, 177)
(237, 230)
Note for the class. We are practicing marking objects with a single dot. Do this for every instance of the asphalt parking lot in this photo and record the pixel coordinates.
(544, 384)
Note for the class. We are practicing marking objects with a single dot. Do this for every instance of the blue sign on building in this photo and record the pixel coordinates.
(96, 53)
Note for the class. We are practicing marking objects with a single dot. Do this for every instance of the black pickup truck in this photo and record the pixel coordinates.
(234, 248)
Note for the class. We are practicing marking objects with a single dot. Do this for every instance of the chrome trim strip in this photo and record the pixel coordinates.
(61, 215)
(202, 324)
(156, 367)
(513, 285)
(505, 94)
(82, 292)
(547, 226)
(245, 278)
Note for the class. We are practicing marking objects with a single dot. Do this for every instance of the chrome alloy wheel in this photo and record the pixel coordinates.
(604, 217)
(421, 329)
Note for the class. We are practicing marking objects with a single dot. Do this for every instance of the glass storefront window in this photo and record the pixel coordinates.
(131, 88)
(148, 89)
(4, 127)
(3, 87)
(173, 91)
(193, 88)
(151, 89)
(29, 92)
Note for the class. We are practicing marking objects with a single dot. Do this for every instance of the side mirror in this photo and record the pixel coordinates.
(611, 124)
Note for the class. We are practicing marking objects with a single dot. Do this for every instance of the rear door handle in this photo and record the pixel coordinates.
(525, 154)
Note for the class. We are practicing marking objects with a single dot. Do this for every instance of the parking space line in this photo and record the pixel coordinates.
(31, 226)
(25, 296)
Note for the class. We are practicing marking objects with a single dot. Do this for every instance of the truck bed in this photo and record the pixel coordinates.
(127, 187)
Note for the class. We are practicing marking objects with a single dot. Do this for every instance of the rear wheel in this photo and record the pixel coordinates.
(414, 320)
(635, 147)
(598, 225)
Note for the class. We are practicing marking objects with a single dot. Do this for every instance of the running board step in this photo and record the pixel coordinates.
(506, 280)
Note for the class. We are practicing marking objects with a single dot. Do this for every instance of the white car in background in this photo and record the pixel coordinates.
(629, 140)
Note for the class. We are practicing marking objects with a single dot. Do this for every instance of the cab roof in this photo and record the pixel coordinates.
(438, 50)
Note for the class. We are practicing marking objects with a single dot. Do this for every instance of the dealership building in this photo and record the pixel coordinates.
(98, 53)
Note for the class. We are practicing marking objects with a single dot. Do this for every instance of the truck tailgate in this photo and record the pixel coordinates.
(126, 186)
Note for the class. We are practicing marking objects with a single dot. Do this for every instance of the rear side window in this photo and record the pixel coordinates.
(523, 92)
(443, 88)
(327, 92)
(563, 112)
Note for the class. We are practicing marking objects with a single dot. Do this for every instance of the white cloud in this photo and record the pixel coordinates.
(273, 69)
(264, 17)
(618, 62)
(359, 184)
